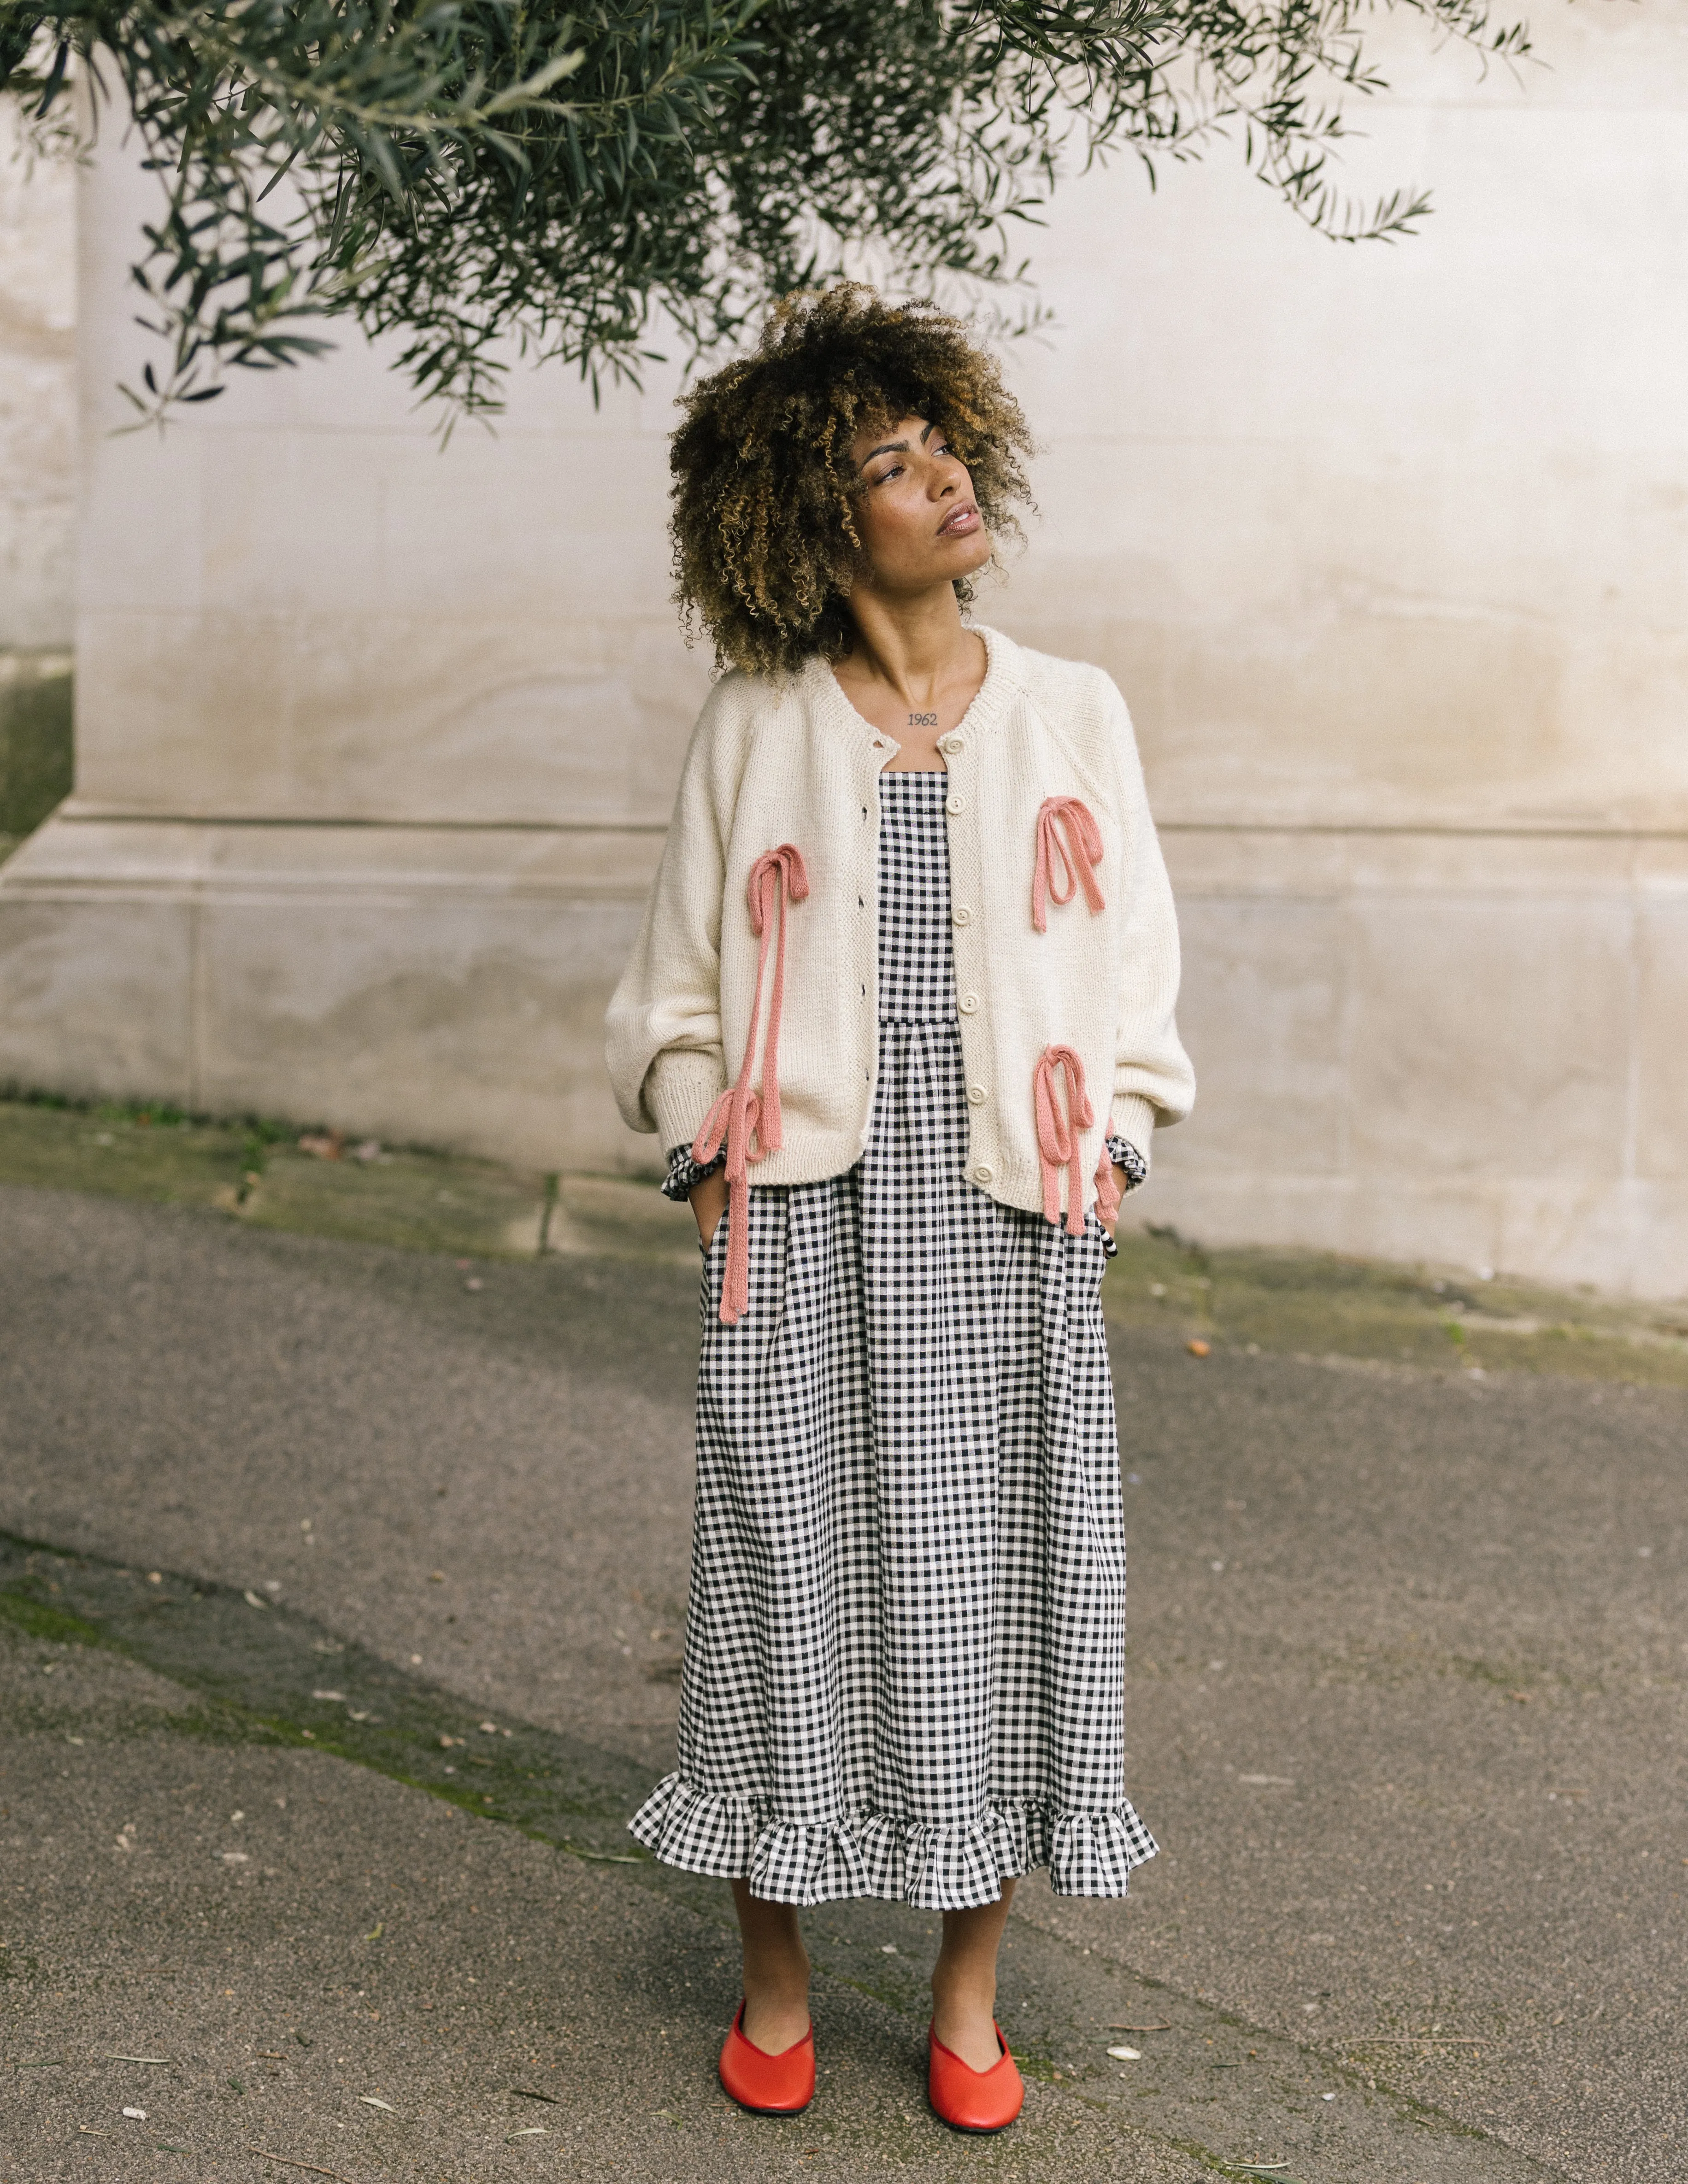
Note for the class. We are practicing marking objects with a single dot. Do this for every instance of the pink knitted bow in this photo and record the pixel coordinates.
(750, 1124)
(1080, 851)
(1058, 1137)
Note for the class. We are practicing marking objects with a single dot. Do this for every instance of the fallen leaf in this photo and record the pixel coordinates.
(376, 1930)
(336, 1697)
(375, 2101)
(253, 1601)
(1523, 1698)
(528, 2094)
(139, 2114)
(154, 2059)
(528, 2130)
(1198, 1348)
(1126, 2054)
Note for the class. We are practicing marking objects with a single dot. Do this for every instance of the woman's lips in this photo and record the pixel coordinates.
(963, 519)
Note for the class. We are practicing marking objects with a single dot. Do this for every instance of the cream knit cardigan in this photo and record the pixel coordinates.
(792, 762)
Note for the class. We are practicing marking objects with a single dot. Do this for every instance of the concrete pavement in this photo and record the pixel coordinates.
(1407, 1662)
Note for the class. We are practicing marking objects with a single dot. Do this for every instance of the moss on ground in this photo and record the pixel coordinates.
(1301, 1303)
(1310, 1303)
(259, 1171)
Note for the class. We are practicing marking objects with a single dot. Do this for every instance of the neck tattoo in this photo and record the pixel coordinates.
(923, 719)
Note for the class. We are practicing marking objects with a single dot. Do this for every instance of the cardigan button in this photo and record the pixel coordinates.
(955, 805)
(960, 915)
(982, 1175)
(968, 1004)
(977, 1095)
(951, 743)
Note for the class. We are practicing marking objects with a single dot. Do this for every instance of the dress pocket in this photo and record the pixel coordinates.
(713, 1255)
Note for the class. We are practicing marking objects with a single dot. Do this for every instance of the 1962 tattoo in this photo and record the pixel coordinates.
(923, 719)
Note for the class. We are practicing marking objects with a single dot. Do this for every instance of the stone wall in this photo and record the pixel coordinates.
(1388, 549)
(1384, 545)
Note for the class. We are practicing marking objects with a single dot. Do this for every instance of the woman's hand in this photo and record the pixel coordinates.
(708, 1203)
(1124, 1183)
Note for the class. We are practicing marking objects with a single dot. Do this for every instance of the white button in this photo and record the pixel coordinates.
(969, 1005)
(960, 915)
(981, 1175)
(955, 805)
(952, 744)
(977, 1095)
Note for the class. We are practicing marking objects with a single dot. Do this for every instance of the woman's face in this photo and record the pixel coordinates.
(916, 510)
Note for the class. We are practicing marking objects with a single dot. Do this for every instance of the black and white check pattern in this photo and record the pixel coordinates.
(905, 1651)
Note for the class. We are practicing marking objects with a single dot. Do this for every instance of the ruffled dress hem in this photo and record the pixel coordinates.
(932, 1865)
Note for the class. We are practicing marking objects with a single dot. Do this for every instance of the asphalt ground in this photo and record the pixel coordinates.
(1408, 1651)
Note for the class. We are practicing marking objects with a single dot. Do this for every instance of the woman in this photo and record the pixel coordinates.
(901, 1010)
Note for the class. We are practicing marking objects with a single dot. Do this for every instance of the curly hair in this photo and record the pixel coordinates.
(766, 542)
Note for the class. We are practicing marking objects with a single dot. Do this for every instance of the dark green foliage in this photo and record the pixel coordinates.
(476, 174)
(36, 764)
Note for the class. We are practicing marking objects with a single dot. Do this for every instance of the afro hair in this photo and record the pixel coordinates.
(766, 542)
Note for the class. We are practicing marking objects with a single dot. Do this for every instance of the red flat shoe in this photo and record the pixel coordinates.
(974, 2100)
(782, 2085)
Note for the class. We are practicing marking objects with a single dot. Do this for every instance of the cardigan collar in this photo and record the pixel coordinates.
(990, 701)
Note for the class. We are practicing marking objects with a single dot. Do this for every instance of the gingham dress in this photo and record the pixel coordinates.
(905, 1648)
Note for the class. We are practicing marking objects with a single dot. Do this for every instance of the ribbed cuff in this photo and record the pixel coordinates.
(1132, 1119)
(680, 1088)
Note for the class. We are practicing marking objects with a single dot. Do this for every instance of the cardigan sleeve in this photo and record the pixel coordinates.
(663, 1030)
(1153, 1082)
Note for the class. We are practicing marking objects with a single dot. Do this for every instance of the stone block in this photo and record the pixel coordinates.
(1490, 1035)
(1662, 1058)
(1262, 1018)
